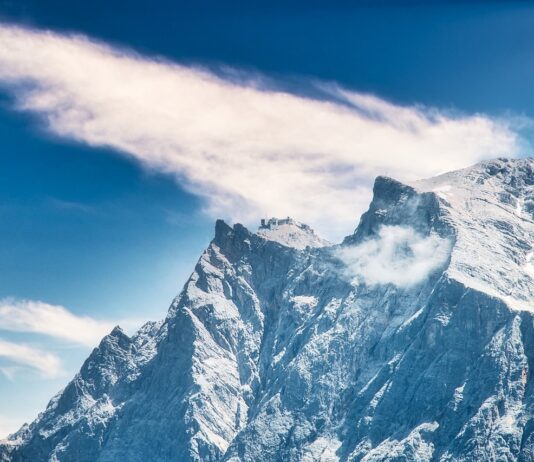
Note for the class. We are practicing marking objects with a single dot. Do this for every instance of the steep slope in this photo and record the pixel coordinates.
(413, 340)
(78, 417)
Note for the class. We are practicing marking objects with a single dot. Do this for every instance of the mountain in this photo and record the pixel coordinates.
(412, 340)
(290, 233)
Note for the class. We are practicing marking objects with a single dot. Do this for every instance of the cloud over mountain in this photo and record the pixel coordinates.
(248, 148)
(398, 255)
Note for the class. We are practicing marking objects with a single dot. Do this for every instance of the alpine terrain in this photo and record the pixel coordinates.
(412, 340)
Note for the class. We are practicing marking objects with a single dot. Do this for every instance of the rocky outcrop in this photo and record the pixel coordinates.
(413, 340)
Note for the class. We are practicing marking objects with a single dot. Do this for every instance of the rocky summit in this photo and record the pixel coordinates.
(412, 340)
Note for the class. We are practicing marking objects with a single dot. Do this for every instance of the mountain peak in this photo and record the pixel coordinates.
(291, 233)
(117, 331)
(402, 343)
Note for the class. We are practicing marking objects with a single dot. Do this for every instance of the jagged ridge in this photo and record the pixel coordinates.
(278, 353)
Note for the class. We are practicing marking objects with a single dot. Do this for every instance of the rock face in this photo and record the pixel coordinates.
(413, 340)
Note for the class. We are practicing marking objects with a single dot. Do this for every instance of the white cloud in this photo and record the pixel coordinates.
(42, 318)
(29, 317)
(46, 363)
(397, 255)
(249, 150)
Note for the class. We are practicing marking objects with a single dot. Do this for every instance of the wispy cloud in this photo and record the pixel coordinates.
(247, 148)
(71, 206)
(56, 321)
(397, 255)
(30, 317)
(46, 363)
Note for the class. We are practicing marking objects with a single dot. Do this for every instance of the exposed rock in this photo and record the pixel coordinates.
(281, 352)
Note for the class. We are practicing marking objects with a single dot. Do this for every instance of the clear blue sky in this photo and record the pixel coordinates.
(91, 230)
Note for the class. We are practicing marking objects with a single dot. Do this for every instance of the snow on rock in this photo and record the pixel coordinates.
(279, 353)
(290, 233)
(491, 207)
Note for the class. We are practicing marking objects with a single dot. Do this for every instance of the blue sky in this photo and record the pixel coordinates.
(109, 187)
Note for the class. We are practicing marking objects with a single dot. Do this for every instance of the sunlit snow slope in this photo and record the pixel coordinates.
(290, 233)
(413, 340)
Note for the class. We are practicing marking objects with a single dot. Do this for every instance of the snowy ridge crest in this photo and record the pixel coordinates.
(291, 233)
(491, 207)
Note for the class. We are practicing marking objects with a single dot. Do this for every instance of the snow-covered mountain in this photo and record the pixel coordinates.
(413, 340)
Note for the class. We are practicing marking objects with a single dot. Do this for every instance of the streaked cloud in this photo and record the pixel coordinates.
(26, 318)
(397, 255)
(37, 317)
(44, 362)
(248, 148)
(71, 206)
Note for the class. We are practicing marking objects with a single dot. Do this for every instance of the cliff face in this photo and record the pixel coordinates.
(412, 340)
